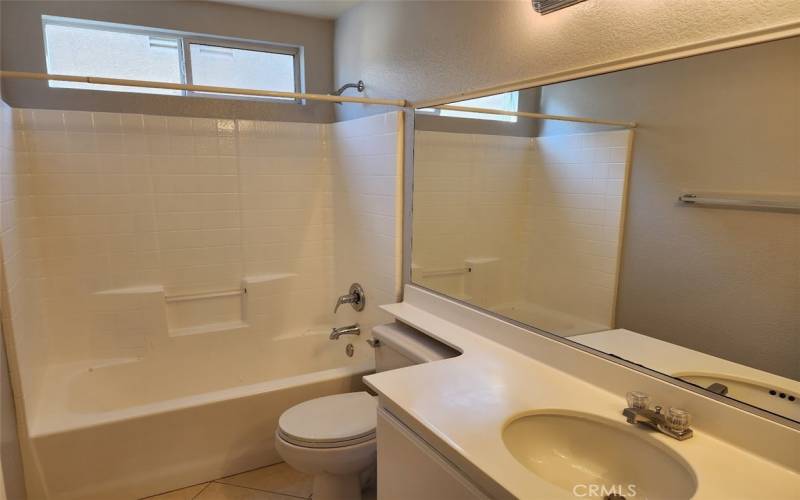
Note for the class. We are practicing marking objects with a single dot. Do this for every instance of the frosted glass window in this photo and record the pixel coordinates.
(90, 51)
(506, 102)
(241, 68)
(90, 48)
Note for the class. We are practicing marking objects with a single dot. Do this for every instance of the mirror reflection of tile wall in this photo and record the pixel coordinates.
(576, 228)
(492, 212)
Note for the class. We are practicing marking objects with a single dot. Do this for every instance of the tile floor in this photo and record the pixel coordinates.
(276, 482)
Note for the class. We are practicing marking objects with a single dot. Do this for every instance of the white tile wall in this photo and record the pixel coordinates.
(470, 198)
(367, 184)
(543, 213)
(134, 207)
(577, 193)
(21, 254)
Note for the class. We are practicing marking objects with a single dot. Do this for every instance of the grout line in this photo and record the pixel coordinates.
(202, 490)
(218, 481)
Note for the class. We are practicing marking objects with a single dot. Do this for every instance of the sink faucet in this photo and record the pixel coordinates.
(345, 330)
(356, 297)
(675, 423)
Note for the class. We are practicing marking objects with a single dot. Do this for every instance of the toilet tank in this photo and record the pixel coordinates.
(400, 345)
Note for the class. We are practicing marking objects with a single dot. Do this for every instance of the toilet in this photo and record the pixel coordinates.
(333, 437)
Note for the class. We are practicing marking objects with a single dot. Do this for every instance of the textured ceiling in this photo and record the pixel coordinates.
(329, 9)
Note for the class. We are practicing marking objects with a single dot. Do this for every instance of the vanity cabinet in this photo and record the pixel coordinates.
(409, 468)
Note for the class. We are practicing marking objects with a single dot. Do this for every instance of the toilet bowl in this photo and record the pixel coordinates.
(333, 437)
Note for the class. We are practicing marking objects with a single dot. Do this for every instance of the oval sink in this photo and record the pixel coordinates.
(776, 399)
(594, 457)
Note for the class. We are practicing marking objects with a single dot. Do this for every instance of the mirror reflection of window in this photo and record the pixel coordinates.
(504, 102)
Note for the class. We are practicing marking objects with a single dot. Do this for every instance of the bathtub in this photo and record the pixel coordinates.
(129, 428)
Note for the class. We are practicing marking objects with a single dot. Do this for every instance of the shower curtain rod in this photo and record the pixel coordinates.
(542, 116)
(199, 88)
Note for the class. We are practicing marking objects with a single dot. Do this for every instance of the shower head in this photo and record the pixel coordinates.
(358, 86)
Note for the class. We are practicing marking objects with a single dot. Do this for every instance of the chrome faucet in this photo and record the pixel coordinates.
(357, 298)
(345, 330)
(675, 423)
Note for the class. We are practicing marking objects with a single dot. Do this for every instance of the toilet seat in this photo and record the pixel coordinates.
(331, 421)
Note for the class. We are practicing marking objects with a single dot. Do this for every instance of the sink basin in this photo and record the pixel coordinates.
(780, 400)
(575, 451)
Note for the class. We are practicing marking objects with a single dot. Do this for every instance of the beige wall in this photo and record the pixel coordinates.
(423, 50)
(725, 282)
(23, 50)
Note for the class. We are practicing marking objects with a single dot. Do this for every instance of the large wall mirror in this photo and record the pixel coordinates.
(674, 244)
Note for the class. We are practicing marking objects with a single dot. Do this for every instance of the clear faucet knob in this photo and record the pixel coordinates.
(678, 420)
(638, 400)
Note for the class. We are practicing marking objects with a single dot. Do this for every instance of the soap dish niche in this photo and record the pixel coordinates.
(206, 312)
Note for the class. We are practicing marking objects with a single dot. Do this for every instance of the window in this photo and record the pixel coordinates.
(506, 102)
(88, 48)
(226, 66)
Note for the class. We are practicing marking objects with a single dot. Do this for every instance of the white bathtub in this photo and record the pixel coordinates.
(193, 411)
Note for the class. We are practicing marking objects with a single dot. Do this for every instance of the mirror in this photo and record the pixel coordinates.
(572, 223)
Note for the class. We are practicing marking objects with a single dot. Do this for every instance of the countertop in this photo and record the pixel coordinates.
(461, 405)
(674, 359)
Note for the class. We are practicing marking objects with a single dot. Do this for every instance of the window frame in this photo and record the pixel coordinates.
(185, 39)
(438, 111)
(230, 43)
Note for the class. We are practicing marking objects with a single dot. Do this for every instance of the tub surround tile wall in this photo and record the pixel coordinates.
(537, 221)
(134, 207)
(368, 191)
(22, 269)
(190, 205)
(576, 201)
(17, 284)
(127, 211)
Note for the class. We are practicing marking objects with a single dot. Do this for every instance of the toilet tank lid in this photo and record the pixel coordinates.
(412, 343)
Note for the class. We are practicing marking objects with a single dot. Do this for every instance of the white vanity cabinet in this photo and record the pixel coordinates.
(409, 468)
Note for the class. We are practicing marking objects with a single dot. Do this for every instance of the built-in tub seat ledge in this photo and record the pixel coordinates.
(461, 406)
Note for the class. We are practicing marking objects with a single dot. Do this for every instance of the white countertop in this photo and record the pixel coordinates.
(461, 405)
(672, 359)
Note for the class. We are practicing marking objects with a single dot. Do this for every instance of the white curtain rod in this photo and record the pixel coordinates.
(541, 116)
(199, 88)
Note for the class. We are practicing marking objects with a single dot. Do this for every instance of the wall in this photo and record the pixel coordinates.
(367, 192)
(17, 284)
(134, 207)
(724, 282)
(527, 227)
(576, 210)
(23, 50)
(425, 50)
(470, 199)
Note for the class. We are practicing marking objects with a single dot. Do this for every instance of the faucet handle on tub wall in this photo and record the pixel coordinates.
(357, 298)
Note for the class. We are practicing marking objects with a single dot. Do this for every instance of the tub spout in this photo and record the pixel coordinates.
(345, 330)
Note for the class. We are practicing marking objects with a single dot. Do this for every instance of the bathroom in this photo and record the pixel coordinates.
(346, 249)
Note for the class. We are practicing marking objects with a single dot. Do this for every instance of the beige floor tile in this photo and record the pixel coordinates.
(279, 478)
(219, 491)
(182, 494)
